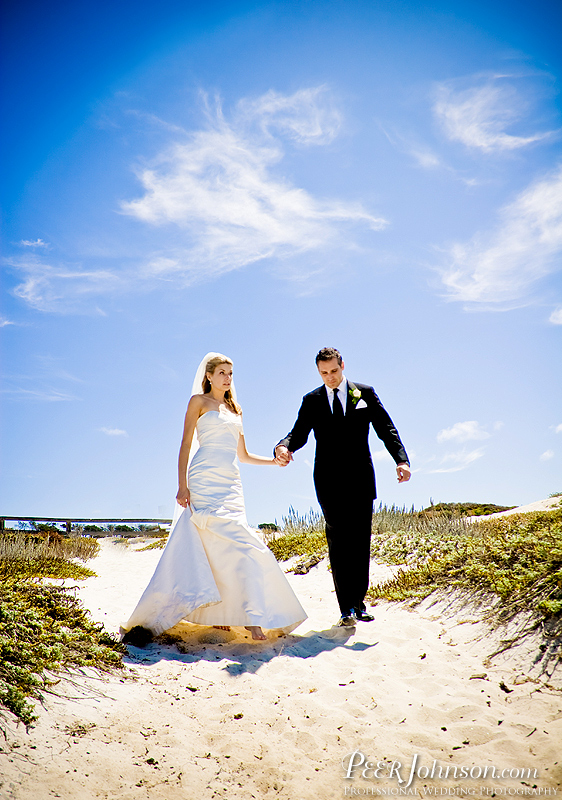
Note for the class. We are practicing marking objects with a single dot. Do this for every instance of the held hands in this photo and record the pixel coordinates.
(403, 472)
(183, 497)
(283, 455)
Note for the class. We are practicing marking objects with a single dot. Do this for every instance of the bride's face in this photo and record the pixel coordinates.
(221, 379)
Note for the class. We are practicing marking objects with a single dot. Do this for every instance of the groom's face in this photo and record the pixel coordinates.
(331, 372)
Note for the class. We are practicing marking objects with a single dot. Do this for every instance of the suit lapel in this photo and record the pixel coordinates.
(324, 402)
(349, 405)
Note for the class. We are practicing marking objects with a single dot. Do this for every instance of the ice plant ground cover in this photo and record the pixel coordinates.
(516, 558)
(511, 566)
(44, 630)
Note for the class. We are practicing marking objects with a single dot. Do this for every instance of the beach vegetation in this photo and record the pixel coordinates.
(46, 528)
(158, 543)
(300, 535)
(513, 561)
(269, 527)
(401, 536)
(44, 630)
(41, 554)
(463, 509)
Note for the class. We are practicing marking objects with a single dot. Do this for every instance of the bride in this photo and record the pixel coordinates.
(214, 569)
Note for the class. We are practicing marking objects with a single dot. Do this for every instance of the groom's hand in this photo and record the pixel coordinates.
(283, 455)
(403, 472)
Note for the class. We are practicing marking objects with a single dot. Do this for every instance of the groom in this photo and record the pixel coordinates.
(340, 413)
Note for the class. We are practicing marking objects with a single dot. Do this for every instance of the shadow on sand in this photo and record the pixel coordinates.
(192, 643)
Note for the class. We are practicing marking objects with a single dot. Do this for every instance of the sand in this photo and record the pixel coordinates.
(217, 715)
(539, 505)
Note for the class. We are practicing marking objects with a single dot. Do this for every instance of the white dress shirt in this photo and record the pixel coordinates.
(342, 394)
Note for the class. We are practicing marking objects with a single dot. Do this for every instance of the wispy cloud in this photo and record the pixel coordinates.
(422, 154)
(113, 432)
(501, 266)
(51, 367)
(460, 432)
(463, 432)
(479, 116)
(455, 462)
(155, 121)
(219, 189)
(49, 286)
(556, 317)
(308, 116)
(42, 395)
(214, 200)
(558, 429)
(35, 244)
(4, 322)
(547, 455)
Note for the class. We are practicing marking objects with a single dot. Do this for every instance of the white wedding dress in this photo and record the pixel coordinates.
(214, 569)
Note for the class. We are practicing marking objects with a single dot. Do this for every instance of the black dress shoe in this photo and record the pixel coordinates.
(347, 621)
(362, 615)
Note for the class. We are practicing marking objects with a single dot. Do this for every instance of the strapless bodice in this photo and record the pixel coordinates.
(220, 428)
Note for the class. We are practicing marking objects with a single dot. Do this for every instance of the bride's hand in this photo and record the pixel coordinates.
(183, 497)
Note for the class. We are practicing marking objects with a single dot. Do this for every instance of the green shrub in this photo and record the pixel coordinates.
(517, 557)
(45, 629)
(463, 509)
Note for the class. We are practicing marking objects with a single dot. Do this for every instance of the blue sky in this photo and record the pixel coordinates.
(265, 179)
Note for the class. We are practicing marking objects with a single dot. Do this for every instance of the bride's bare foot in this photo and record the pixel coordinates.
(222, 627)
(256, 632)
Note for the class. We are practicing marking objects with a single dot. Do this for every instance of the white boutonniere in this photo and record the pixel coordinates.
(355, 396)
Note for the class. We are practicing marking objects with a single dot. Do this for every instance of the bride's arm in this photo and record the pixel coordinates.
(250, 458)
(191, 417)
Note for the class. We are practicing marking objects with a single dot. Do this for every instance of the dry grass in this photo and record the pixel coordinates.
(300, 535)
(15, 545)
(24, 554)
(157, 544)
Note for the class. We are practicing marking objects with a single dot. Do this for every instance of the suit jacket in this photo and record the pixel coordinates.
(343, 464)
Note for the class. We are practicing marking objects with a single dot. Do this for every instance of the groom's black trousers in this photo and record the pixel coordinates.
(348, 532)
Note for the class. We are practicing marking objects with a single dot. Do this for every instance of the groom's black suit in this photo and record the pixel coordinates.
(344, 479)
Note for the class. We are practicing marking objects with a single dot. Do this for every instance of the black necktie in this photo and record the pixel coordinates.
(337, 409)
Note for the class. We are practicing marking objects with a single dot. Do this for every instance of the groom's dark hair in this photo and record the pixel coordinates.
(327, 353)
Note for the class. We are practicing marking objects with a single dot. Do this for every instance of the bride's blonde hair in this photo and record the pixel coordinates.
(211, 366)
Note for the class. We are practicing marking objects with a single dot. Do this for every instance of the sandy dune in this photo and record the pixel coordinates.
(538, 505)
(217, 715)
